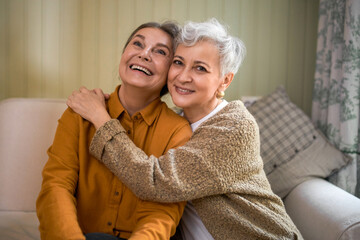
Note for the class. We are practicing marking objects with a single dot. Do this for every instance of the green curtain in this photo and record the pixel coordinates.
(336, 96)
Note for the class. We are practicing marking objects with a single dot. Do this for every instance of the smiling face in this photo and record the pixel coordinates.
(195, 78)
(145, 61)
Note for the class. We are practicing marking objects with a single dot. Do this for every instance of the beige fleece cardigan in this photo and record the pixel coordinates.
(219, 169)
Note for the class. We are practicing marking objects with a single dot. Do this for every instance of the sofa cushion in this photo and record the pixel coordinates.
(16, 225)
(292, 149)
(27, 129)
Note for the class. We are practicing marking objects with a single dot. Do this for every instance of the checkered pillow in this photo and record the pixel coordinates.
(284, 128)
(292, 149)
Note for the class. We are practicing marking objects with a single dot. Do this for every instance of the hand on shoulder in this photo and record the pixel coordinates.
(90, 104)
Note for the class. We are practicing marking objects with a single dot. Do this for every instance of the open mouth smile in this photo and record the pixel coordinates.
(141, 69)
(183, 90)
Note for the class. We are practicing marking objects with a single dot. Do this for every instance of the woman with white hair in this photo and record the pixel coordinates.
(219, 171)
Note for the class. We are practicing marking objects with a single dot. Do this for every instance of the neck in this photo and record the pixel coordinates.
(195, 113)
(135, 99)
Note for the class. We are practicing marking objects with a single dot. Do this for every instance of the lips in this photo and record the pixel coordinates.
(141, 69)
(183, 90)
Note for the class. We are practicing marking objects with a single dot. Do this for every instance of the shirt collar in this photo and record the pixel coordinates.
(195, 125)
(149, 113)
(114, 104)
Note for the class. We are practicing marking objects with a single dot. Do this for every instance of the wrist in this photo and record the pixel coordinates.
(101, 121)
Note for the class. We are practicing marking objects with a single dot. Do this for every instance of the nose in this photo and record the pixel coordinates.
(145, 54)
(184, 76)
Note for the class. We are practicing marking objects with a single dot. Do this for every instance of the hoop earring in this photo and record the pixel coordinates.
(220, 94)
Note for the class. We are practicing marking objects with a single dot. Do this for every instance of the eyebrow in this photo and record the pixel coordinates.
(196, 61)
(157, 44)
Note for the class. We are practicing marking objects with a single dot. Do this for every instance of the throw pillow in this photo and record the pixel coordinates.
(292, 149)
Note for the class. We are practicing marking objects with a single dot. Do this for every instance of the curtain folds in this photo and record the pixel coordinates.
(336, 95)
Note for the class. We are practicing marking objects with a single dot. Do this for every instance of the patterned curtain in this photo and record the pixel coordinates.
(336, 96)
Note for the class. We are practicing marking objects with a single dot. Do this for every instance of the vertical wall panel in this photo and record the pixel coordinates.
(179, 10)
(107, 44)
(214, 8)
(3, 49)
(295, 51)
(89, 43)
(70, 47)
(245, 78)
(143, 11)
(48, 48)
(232, 8)
(197, 10)
(262, 74)
(278, 43)
(162, 10)
(16, 87)
(34, 48)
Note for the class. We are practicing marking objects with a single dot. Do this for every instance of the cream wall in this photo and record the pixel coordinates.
(50, 47)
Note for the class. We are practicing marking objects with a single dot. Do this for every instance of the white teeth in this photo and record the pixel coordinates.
(184, 90)
(147, 72)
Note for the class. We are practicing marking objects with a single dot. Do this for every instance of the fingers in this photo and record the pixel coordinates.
(83, 89)
(98, 92)
(69, 101)
(84, 94)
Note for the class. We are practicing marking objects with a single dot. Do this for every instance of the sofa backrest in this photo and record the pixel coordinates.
(27, 128)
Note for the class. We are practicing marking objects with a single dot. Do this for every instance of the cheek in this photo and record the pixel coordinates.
(121, 68)
(208, 87)
(171, 74)
(165, 65)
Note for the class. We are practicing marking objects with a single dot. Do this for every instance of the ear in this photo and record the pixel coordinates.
(226, 80)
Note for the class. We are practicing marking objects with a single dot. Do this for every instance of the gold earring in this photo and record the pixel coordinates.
(220, 94)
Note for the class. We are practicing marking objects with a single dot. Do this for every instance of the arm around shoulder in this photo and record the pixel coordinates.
(197, 169)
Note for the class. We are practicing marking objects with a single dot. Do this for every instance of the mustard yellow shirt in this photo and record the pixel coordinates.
(80, 195)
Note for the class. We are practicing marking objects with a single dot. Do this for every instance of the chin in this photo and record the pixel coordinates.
(180, 104)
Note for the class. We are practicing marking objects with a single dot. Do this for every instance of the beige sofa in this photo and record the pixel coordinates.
(27, 126)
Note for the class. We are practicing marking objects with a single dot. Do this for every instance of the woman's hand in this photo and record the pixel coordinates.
(90, 104)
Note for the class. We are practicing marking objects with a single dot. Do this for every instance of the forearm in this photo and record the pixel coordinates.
(156, 221)
(182, 174)
(57, 215)
(56, 204)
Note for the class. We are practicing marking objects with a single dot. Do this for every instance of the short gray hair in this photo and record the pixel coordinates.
(232, 50)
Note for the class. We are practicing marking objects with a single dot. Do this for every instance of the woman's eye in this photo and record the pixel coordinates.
(162, 52)
(137, 43)
(201, 68)
(177, 62)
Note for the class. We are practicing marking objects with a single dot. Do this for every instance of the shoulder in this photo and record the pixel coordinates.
(171, 129)
(234, 118)
(170, 123)
(72, 121)
(70, 115)
(171, 117)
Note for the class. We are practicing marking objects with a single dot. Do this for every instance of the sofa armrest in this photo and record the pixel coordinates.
(321, 210)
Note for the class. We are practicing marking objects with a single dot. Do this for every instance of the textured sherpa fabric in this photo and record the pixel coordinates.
(219, 169)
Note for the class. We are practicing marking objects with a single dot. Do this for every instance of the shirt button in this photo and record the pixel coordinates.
(128, 132)
(109, 223)
(116, 193)
(136, 117)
